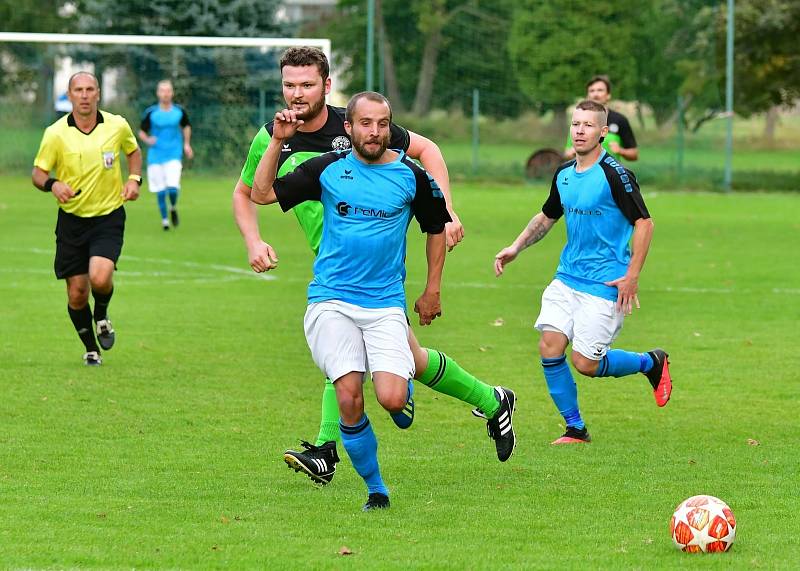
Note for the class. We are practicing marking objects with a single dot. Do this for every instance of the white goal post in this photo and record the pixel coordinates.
(208, 41)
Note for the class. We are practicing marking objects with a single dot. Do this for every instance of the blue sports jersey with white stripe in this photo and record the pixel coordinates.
(600, 206)
(366, 212)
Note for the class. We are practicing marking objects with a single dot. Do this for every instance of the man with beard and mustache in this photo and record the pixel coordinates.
(356, 316)
(306, 81)
(608, 235)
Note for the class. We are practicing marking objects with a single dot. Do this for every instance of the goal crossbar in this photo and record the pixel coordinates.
(210, 41)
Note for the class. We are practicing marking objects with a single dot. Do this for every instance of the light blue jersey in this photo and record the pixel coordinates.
(600, 206)
(366, 212)
(167, 127)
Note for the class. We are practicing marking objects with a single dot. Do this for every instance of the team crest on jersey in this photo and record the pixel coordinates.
(340, 143)
(108, 159)
(613, 128)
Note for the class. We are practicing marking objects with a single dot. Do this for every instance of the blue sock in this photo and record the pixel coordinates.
(173, 195)
(563, 390)
(161, 195)
(362, 447)
(619, 363)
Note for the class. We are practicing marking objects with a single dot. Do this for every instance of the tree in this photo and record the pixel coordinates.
(435, 53)
(556, 47)
(221, 85)
(28, 67)
(766, 59)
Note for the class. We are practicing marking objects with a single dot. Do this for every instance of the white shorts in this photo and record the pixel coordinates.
(344, 337)
(591, 323)
(164, 175)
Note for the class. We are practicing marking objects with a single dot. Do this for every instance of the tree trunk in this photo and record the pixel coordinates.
(771, 122)
(427, 73)
(559, 126)
(389, 71)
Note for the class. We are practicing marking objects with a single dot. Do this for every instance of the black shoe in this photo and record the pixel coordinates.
(105, 334)
(92, 359)
(574, 436)
(173, 216)
(501, 427)
(317, 462)
(659, 376)
(376, 501)
(165, 225)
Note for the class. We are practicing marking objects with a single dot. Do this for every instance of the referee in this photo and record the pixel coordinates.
(78, 162)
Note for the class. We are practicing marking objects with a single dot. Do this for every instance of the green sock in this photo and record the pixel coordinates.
(445, 376)
(329, 424)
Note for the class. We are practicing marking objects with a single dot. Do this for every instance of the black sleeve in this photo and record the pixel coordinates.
(399, 137)
(625, 191)
(428, 206)
(302, 183)
(185, 119)
(145, 124)
(626, 133)
(552, 206)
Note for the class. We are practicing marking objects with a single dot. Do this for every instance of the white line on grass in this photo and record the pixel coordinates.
(234, 273)
(241, 273)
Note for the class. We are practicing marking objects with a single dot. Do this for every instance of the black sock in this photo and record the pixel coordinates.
(82, 320)
(101, 301)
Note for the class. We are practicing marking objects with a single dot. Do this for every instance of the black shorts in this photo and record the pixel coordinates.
(78, 239)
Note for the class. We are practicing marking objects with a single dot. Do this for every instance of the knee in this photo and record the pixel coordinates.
(394, 402)
(78, 296)
(584, 366)
(351, 407)
(549, 349)
(101, 281)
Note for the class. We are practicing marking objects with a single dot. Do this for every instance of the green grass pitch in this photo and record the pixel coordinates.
(169, 455)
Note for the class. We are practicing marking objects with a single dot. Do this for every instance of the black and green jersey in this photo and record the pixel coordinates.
(303, 146)
(619, 131)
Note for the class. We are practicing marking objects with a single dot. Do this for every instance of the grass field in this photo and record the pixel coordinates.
(169, 455)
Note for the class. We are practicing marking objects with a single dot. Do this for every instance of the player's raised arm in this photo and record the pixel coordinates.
(285, 126)
(429, 154)
(536, 229)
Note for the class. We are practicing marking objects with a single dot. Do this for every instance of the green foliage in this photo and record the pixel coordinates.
(471, 54)
(557, 46)
(169, 455)
(219, 87)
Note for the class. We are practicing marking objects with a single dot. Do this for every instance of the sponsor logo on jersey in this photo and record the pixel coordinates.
(345, 209)
(340, 143)
(286, 149)
(347, 175)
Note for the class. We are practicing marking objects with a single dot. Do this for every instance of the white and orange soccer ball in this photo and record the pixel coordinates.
(703, 524)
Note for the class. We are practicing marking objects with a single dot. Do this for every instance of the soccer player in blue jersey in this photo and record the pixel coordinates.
(305, 78)
(597, 279)
(356, 320)
(166, 129)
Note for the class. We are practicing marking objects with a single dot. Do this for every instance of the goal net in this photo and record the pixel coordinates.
(228, 86)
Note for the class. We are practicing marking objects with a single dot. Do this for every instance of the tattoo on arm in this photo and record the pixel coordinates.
(536, 230)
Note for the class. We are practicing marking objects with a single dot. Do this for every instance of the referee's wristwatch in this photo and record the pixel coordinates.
(136, 178)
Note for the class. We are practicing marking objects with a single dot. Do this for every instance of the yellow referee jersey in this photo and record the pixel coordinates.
(88, 162)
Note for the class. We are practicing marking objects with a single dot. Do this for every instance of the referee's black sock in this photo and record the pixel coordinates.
(101, 301)
(82, 320)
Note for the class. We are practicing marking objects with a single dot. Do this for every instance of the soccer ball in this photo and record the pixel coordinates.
(703, 524)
